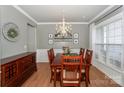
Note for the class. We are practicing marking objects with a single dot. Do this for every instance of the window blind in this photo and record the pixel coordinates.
(108, 45)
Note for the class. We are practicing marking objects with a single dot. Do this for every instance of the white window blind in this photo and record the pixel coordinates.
(108, 45)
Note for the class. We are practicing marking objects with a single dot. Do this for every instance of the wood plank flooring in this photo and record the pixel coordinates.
(41, 78)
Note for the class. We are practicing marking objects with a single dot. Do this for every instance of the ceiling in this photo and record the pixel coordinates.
(54, 13)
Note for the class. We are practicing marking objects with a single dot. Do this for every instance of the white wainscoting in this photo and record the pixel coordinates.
(43, 57)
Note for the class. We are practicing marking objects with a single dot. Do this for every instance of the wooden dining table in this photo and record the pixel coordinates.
(57, 64)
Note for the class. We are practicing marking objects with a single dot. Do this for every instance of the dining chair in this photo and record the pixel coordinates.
(50, 58)
(86, 66)
(52, 53)
(82, 52)
(71, 70)
(50, 63)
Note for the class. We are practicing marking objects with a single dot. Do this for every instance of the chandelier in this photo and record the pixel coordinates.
(63, 29)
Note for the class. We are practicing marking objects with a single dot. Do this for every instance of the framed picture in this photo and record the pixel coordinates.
(76, 35)
(50, 35)
(50, 41)
(11, 32)
(75, 41)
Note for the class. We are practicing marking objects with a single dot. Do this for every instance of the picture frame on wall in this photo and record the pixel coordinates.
(50, 42)
(50, 35)
(11, 32)
(76, 41)
(76, 35)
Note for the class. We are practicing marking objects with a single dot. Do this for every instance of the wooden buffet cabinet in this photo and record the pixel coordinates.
(16, 69)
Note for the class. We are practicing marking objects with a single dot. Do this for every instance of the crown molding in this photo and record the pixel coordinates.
(50, 23)
(101, 13)
(23, 12)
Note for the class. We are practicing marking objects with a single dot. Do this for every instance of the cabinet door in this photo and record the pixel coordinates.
(0, 75)
(34, 61)
(9, 74)
(34, 58)
(27, 62)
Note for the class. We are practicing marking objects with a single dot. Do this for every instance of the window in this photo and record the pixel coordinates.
(108, 45)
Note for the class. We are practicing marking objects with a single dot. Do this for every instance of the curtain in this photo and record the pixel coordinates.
(123, 37)
(92, 38)
(92, 35)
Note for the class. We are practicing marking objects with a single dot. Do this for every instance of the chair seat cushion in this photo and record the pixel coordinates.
(83, 71)
(69, 74)
(65, 81)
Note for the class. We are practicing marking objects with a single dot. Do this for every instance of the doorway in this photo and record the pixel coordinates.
(31, 38)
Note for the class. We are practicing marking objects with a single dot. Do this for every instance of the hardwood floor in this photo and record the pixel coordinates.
(41, 78)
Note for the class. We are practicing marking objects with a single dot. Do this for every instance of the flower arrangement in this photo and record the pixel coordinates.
(12, 33)
(66, 50)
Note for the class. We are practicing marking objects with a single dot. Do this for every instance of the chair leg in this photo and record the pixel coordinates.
(51, 77)
(50, 80)
(60, 82)
(59, 78)
(88, 80)
(82, 76)
(86, 83)
(79, 85)
(88, 77)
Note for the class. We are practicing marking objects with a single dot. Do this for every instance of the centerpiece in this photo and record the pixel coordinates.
(66, 50)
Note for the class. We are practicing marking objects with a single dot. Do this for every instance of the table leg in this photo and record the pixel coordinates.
(86, 77)
(54, 76)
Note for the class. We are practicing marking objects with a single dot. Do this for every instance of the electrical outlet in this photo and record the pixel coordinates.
(25, 47)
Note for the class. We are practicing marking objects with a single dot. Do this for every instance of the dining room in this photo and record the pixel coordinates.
(62, 45)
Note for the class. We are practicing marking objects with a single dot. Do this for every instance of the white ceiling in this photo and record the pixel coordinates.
(54, 13)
